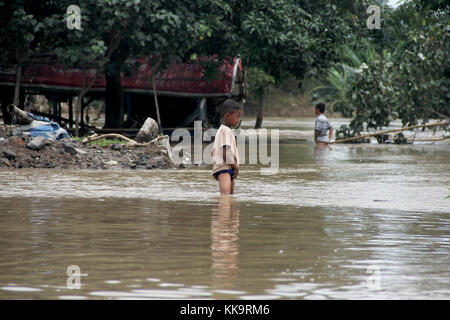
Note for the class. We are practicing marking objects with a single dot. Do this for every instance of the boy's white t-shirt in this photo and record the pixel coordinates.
(224, 137)
(322, 125)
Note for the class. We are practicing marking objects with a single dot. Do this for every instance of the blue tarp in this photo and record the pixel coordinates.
(43, 127)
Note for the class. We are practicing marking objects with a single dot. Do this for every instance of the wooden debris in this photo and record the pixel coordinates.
(442, 123)
(129, 141)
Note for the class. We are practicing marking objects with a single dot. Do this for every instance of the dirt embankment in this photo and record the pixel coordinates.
(20, 152)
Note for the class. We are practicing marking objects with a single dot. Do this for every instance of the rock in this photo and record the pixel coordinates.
(37, 143)
(80, 151)
(16, 132)
(15, 140)
(6, 162)
(116, 147)
(149, 166)
(69, 149)
(66, 140)
(158, 162)
(10, 155)
(132, 165)
(148, 132)
(49, 165)
(111, 163)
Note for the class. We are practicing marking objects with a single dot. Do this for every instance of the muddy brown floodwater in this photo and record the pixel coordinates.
(357, 221)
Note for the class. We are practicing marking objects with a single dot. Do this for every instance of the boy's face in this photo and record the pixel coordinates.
(317, 111)
(233, 118)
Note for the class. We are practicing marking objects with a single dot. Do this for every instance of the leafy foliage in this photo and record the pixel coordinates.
(18, 32)
(410, 84)
(340, 78)
(258, 81)
(409, 80)
(280, 37)
(398, 72)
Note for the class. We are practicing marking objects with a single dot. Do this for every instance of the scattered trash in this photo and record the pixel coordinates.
(37, 142)
(32, 125)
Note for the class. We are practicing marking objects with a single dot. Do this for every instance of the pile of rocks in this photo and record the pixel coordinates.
(25, 152)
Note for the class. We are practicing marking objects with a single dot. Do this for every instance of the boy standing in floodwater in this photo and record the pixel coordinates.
(321, 127)
(225, 155)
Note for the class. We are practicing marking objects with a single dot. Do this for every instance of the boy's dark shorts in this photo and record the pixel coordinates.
(230, 171)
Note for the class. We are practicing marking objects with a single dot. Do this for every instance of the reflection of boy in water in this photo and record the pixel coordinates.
(225, 241)
(321, 127)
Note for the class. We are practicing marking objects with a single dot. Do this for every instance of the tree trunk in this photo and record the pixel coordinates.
(77, 113)
(114, 93)
(155, 95)
(6, 98)
(17, 87)
(70, 112)
(79, 99)
(261, 105)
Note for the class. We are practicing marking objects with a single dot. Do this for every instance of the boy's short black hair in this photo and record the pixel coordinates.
(321, 107)
(229, 106)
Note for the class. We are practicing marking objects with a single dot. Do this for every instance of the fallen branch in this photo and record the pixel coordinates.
(442, 123)
(95, 137)
(20, 115)
(129, 141)
(153, 141)
(432, 139)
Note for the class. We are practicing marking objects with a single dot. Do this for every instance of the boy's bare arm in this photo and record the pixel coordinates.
(229, 159)
(316, 134)
(330, 136)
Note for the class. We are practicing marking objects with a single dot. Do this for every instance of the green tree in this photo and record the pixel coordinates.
(338, 85)
(86, 48)
(411, 80)
(259, 83)
(24, 25)
(278, 37)
(171, 33)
